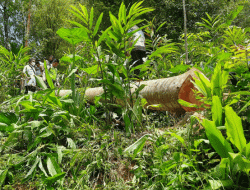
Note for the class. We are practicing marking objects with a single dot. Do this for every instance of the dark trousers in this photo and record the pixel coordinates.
(29, 88)
(137, 56)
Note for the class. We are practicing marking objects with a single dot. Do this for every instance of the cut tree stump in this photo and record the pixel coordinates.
(164, 91)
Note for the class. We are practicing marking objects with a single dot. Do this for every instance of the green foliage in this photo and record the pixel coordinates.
(52, 142)
(216, 139)
(12, 65)
(234, 129)
(47, 17)
(236, 162)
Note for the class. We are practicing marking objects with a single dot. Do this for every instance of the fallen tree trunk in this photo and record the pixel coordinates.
(164, 91)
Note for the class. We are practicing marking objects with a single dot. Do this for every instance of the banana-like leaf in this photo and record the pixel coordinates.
(234, 129)
(248, 151)
(219, 143)
(40, 82)
(49, 80)
(218, 81)
(8, 118)
(203, 84)
(238, 163)
(218, 184)
(217, 111)
(3, 175)
(69, 58)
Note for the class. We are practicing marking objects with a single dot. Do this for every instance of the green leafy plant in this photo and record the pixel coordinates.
(15, 63)
(231, 163)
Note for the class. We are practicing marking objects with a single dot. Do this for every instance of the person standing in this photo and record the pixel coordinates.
(49, 62)
(53, 72)
(39, 68)
(29, 75)
(139, 50)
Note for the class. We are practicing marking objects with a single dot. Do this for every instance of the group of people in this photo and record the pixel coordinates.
(36, 68)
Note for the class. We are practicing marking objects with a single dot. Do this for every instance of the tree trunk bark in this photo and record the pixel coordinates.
(164, 91)
(6, 25)
(185, 30)
(28, 26)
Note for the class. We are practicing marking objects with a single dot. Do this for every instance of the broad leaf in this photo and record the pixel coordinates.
(217, 111)
(248, 151)
(234, 129)
(40, 82)
(3, 175)
(69, 58)
(216, 139)
(49, 80)
(91, 70)
(203, 85)
(8, 118)
(73, 35)
(187, 104)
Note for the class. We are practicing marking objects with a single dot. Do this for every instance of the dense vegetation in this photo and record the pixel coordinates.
(53, 142)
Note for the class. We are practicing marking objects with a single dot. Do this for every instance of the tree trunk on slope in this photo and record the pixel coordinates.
(164, 91)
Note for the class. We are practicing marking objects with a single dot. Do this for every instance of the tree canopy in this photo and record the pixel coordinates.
(47, 16)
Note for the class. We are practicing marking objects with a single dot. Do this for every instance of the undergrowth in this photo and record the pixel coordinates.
(49, 141)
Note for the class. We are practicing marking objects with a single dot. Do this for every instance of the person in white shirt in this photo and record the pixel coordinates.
(29, 75)
(139, 50)
(49, 62)
(39, 68)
